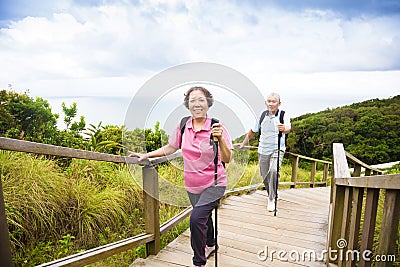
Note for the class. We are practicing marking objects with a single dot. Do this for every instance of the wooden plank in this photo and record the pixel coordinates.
(367, 238)
(313, 171)
(340, 166)
(259, 247)
(308, 158)
(357, 170)
(326, 172)
(288, 209)
(346, 213)
(45, 149)
(389, 229)
(336, 218)
(356, 161)
(276, 234)
(5, 248)
(243, 234)
(291, 206)
(291, 195)
(355, 219)
(253, 244)
(168, 225)
(99, 253)
(295, 168)
(151, 207)
(312, 196)
(390, 181)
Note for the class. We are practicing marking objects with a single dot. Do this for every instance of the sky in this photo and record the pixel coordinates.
(315, 54)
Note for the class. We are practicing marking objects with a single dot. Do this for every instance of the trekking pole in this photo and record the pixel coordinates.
(215, 148)
(277, 172)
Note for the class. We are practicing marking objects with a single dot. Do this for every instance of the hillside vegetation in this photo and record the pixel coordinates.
(369, 130)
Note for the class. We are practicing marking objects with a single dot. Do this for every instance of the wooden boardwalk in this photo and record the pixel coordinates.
(246, 228)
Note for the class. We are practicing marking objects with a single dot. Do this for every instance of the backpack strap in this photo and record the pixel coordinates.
(184, 120)
(282, 113)
(182, 126)
(262, 118)
(281, 116)
(263, 114)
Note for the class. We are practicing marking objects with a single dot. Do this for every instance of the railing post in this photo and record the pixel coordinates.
(336, 219)
(367, 237)
(355, 218)
(295, 168)
(313, 171)
(389, 228)
(357, 170)
(338, 195)
(5, 245)
(326, 173)
(151, 207)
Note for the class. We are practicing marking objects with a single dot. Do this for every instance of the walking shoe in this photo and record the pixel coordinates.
(271, 205)
(209, 250)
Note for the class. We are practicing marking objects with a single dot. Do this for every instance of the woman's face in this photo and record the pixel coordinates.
(198, 105)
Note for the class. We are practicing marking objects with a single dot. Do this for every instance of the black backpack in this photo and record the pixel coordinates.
(182, 126)
(262, 118)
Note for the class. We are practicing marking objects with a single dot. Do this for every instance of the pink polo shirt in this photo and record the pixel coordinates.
(198, 156)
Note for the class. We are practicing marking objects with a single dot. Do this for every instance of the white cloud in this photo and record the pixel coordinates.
(113, 49)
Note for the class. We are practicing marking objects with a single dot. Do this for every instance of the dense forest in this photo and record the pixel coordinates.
(369, 130)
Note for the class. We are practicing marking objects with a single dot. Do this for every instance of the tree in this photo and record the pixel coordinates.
(145, 140)
(106, 139)
(368, 130)
(69, 114)
(23, 117)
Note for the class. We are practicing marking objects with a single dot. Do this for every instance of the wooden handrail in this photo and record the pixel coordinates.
(287, 152)
(52, 150)
(88, 256)
(358, 163)
(347, 206)
(150, 188)
(389, 181)
(295, 167)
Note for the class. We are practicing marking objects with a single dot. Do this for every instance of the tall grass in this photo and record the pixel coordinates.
(55, 211)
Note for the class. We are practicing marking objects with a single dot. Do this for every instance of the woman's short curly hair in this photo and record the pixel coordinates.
(209, 96)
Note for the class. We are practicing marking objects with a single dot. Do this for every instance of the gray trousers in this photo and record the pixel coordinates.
(268, 171)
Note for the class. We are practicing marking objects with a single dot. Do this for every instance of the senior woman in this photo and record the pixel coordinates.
(198, 158)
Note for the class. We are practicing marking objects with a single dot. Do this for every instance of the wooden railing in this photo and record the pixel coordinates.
(295, 169)
(151, 203)
(351, 197)
(153, 229)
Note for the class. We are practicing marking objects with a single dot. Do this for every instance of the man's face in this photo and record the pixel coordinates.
(272, 104)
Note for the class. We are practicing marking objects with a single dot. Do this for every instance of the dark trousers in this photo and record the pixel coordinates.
(202, 231)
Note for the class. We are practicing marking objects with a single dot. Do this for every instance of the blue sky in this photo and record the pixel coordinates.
(316, 54)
